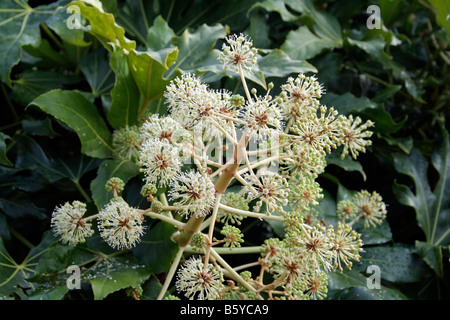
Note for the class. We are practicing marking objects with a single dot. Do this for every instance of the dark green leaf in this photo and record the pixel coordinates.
(82, 116)
(156, 249)
(123, 111)
(3, 158)
(19, 26)
(113, 274)
(123, 169)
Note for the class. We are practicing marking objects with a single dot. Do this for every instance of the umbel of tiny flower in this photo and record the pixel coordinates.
(120, 225)
(193, 190)
(68, 223)
(126, 142)
(300, 96)
(196, 280)
(148, 190)
(234, 200)
(346, 245)
(371, 207)
(238, 51)
(160, 161)
(232, 236)
(354, 135)
(115, 185)
(269, 188)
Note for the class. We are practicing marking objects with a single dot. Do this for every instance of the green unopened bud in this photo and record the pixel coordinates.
(148, 191)
(114, 184)
(134, 292)
(157, 206)
(237, 101)
(198, 240)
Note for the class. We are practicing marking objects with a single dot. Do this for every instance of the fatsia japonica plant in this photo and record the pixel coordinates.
(217, 158)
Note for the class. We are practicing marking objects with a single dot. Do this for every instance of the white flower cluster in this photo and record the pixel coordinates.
(68, 223)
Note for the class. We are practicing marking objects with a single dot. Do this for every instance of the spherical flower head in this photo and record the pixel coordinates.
(289, 268)
(233, 236)
(114, 184)
(126, 142)
(262, 118)
(160, 161)
(233, 200)
(346, 245)
(193, 190)
(300, 96)
(238, 51)
(346, 210)
(268, 187)
(305, 163)
(120, 225)
(354, 135)
(304, 192)
(167, 130)
(68, 223)
(316, 285)
(371, 207)
(316, 247)
(198, 240)
(196, 280)
(317, 131)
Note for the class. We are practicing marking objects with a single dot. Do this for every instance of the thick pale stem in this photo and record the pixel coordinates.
(211, 228)
(250, 214)
(171, 273)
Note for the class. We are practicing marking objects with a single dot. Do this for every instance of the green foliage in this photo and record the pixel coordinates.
(68, 90)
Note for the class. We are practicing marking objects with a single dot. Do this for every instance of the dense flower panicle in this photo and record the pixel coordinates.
(238, 51)
(262, 118)
(300, 96)
(354, 135)
(371, 207)
(269, 188)
(68, 223)
(160, 161)
(120, 225)
(193, 190)
(200, 282)
(346, 246)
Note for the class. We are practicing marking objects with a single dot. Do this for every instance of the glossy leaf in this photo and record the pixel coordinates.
(113, 274)
(19, 26)
(123, 111)
(123, 169)
(82, 116)
(194, 47)
(156, 249)
(103, 25)
(147, 69)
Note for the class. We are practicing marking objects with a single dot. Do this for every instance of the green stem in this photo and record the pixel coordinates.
(231, 271)
(20, 238)
(170, 274)
(81, 190)
(223, 250)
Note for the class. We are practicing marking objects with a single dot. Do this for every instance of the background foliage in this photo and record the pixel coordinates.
(66, 91)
